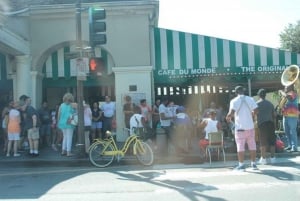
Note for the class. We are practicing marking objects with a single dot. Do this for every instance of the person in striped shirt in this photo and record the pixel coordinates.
(290, 114)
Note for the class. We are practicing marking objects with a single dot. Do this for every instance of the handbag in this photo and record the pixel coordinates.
(73, 120)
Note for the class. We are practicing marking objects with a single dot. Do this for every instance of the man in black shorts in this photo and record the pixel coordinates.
(266, 125)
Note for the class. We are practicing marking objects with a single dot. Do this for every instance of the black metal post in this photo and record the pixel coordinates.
(80, 128)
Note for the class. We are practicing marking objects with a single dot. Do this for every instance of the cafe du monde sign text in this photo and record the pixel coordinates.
(173, 73)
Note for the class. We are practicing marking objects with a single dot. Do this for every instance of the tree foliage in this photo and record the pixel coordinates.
(290, 37)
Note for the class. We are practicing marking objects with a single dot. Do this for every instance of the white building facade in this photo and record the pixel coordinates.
(36, 36)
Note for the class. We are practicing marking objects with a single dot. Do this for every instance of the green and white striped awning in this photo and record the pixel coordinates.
(57, 66)
(185, 55)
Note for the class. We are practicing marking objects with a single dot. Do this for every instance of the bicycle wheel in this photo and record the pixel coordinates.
(144, 153)
(98, 154)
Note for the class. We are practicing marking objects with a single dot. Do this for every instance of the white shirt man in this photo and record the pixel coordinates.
(164, 114)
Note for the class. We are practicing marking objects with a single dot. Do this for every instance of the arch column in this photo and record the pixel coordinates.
(37, 88)
(26, 81)
(22, 78)
(140, 77)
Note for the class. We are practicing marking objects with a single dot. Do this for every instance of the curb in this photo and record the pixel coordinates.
(61, 161)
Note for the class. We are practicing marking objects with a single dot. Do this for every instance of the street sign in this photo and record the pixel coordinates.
(81, 66)
(72, 55)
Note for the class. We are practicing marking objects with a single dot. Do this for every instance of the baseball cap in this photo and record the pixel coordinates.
(238, 88)
(261, 92)
(212, 111)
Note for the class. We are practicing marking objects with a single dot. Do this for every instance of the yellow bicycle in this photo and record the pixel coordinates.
(103, 152)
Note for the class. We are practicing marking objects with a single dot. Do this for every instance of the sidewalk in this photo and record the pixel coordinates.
(49, 157)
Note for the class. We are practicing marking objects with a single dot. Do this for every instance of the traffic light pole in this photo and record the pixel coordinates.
(80, 126)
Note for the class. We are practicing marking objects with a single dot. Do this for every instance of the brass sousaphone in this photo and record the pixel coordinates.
(290, 76)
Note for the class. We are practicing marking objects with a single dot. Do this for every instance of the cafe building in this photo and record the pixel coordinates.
(141, 59)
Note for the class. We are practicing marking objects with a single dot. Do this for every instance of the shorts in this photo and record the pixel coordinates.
(267, 134)
(87, 128)
(13, 136)
(96, 125)
(33, 134)
(243, 137)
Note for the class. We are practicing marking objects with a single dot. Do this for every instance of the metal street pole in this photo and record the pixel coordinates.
(80, 128)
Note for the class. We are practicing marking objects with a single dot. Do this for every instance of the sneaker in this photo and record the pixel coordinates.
(240, 168)
(54, 147)
(294, 149)
(262, 161)
(254, 167)
(288, 148)
(70, 154)
(17, 155)
(7, 155)
(273, 160)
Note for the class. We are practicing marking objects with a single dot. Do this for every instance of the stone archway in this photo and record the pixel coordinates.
(56, 72)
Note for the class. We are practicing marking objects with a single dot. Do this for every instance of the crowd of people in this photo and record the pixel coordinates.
(28, 128)
(250, 123)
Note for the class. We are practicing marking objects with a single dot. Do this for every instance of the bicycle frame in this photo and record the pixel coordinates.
(103, 152)
(133, 139)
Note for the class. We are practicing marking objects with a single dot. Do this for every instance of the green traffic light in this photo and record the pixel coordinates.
(97, 26)
(97, 14)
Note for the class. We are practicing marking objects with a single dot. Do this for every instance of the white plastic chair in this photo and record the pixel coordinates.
(216, 142)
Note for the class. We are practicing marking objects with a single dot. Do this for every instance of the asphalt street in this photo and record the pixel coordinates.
(176, 182)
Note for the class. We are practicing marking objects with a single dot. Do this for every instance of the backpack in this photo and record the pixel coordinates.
(279, 145)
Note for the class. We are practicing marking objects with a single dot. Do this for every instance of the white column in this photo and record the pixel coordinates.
(15, 90)
(141, 77)
(22, 79)
(37, 89)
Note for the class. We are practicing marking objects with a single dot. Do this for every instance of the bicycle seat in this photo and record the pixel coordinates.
(108, 134)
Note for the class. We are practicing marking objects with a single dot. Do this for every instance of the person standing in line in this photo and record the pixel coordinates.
(5, 116)
(64, 117)
(24, 142)
(87, 117)
(32, 126)
(55, 139)
(183, 129)
(266, 124)
(172, 109)
(137, 123)
(290, 115)
(155, 113)
(109, 110)
(13, 129)
(128, 108)
(96, 121)
(146, 111)
(45, 130)
(243, 108)
(166, 118)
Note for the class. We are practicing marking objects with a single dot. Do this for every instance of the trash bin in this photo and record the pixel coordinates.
(161, 141)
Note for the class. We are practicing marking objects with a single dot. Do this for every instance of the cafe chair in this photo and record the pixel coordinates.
(216, 143)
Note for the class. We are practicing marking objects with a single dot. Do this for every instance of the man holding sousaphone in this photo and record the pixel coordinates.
(289, 105)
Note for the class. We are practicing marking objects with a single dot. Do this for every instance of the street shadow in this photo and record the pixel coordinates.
(22, 183)
(280, 174)
(192, 191)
